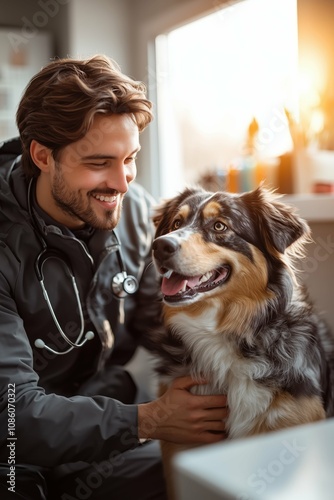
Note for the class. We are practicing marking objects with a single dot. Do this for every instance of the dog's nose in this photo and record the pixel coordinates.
(164, 247)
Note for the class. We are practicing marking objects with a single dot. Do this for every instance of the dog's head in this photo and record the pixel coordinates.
(222, 244)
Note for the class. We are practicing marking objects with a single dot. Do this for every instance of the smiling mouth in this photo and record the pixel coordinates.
(105, 198)
(177, 287)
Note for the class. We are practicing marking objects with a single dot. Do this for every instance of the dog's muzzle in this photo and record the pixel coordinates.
(164, 248)
(177, 287)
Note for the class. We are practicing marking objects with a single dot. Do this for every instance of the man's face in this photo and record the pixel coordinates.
(87, 183)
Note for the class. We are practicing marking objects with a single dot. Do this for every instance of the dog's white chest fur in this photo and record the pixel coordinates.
(216, 359)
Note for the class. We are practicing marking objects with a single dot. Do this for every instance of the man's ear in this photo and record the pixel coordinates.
(41, 156)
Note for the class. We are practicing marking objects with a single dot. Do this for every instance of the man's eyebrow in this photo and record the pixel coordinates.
(101, 156)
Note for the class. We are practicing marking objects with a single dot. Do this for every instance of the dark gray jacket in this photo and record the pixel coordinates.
(53, 425)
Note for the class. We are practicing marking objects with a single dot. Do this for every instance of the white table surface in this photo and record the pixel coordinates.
(294, 464)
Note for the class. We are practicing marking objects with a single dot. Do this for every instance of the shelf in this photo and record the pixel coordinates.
(313, 207)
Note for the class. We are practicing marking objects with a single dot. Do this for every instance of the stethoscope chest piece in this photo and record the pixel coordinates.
(123, 285)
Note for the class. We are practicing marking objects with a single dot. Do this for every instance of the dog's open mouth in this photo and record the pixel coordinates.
(176, 287)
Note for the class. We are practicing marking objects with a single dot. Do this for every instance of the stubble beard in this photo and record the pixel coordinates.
(72, 203)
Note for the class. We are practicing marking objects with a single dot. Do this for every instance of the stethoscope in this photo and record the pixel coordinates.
(122, 283)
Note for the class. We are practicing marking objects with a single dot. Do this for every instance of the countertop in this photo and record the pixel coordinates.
(312, 207)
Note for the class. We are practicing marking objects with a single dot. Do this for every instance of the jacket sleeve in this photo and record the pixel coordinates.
(48, 429)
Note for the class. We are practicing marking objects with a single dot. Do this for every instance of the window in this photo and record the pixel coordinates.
(218, 77)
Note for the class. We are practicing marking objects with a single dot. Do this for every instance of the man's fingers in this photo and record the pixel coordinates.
(187, 382)
(210, 402)
(216, 414)
(211, 437)
(204, 401)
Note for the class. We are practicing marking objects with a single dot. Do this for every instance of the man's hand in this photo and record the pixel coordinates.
(182, 417)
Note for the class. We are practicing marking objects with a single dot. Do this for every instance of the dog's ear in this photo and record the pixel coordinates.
(164, 213)
(279, 224)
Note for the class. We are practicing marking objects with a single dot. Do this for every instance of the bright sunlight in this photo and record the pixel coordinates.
(220, 72)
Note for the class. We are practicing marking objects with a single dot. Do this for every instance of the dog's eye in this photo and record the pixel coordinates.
(219, 226)
(176, 224)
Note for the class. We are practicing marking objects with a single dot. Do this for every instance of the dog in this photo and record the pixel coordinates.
(236, 313)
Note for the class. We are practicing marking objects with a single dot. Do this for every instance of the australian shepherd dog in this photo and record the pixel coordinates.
(235, 312)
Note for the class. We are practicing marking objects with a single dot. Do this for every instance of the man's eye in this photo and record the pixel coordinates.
(131, 159)
(100, 164)
(219, 226)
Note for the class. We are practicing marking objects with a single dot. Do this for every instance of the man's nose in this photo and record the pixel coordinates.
(121, 176)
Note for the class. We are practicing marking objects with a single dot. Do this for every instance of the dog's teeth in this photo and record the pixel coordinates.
(205, 277)
(168, 274)
(184, 286)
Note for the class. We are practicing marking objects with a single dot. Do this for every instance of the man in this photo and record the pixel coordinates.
(78, 294)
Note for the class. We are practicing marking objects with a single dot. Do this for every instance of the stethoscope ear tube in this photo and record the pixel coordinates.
(40, 344)
(122, 284)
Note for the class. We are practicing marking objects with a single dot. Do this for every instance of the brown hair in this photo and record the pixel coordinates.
(61, 101)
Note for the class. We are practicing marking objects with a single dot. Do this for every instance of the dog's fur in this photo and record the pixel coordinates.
(235, 312)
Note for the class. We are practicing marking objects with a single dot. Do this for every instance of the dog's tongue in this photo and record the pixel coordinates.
(174, 284)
